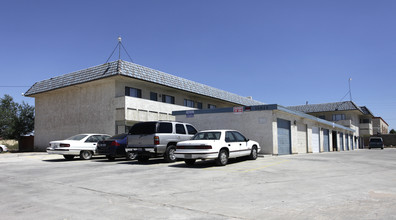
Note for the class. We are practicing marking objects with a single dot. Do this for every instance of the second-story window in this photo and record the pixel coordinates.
(199, 105)
(210, 106)
(168, 99)
(153, 96)
(189, 103)
(338, 117)
(133, 92)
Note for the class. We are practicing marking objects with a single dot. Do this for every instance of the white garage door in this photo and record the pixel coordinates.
(315, 140)
(301, 138)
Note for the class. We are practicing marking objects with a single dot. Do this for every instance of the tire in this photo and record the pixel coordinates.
(1, 149)
(86, 155)
(68, 157)
(143, 159)
(189, 162)
(131, 156)
(170, 154)
(253, 153)
(222, 159)
(110, 158)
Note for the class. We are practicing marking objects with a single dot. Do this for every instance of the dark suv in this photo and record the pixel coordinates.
(376, 142)
(157, 139)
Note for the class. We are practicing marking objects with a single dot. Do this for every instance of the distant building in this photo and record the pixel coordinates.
(111, 97)
(380, 126)
(344, 113)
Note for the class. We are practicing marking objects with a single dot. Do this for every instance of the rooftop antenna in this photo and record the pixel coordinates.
(350, 91)
(119, 45)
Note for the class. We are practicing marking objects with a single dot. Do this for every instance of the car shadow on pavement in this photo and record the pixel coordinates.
(152, 161)
(202, 164)
(61, 159)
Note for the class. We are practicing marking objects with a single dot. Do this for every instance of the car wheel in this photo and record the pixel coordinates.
(1, 149)
(111, 158)
(253, 153)
(143, 159)
(131, 156)
(222, 159)
(68, 157)
(86, 155)
(189, 161)
(170, 154)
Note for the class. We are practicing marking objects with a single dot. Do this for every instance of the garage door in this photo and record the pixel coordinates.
(301, 138)
(341, 141)
(315, 140)
(326, 142)
(346, 142)
(352, 144)
(284, 143)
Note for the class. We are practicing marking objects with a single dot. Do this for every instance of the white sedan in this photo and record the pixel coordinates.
(83, 145)
(3, 148)
(216, 144)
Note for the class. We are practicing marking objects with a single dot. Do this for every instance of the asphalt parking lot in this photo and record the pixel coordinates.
(358, 184)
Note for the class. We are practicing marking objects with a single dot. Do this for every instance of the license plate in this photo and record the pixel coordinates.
(187, 156)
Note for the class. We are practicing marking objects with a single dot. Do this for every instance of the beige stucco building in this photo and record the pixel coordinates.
(278, 130)
(111, 97)
(380, 126)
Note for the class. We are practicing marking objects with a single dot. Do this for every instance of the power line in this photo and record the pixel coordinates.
(13, 86)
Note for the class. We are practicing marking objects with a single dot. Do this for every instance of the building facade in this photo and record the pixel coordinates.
(278, 130)
(110, 98)
(380, 126)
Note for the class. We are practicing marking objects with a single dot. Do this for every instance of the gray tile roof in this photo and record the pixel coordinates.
(329, 107)
(124, 68)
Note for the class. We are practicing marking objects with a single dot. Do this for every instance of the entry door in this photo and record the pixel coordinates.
(326, 144)
(315, 140)
(284, 143)
(346, 142)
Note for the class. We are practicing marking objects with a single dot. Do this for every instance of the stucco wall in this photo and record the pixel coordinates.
(255, 125)
(86, 108)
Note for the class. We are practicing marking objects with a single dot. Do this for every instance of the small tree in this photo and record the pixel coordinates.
(16, 119)
(392, 131)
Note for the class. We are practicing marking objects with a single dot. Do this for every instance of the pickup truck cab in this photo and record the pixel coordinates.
(157, 139)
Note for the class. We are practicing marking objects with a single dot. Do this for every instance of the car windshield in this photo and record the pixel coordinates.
(207, 136)
(143, 128)
(77, 137)
(375, 140)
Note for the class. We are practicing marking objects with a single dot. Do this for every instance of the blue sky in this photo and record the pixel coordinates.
(279, 51)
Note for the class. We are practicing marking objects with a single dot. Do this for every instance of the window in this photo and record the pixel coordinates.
(239, 137)
(180, 129)
(322, 117)
(364, 121)
(199, 105)
(153, 96)
(133, 92)
(229, 137)
(168, 99)
(207, 136)
(191, 129)
(164, 128)
(338, 117)
(189, 103)
(210, 106)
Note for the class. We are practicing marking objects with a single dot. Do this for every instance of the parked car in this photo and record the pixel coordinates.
(216, 144)
(114, 147)
(157, 139)
(83, 145)
(3, 148)
(376, 142)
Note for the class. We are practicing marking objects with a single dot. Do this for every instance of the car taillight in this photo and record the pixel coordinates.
(194, 147)
(156, 140)
(115, 143)
(64, 145)
(204, 147)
